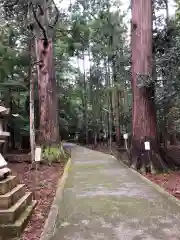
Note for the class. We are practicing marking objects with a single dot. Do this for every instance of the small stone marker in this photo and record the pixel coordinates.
(147, 145)
(38, 154)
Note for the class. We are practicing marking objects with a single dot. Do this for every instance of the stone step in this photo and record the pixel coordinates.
(12, 231)
(9, 215)
(10, 198)
(8, 184)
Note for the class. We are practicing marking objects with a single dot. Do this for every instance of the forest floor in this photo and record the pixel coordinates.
(42, 183)
(168, 181)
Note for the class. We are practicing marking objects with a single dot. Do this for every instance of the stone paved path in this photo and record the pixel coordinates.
(105, 200)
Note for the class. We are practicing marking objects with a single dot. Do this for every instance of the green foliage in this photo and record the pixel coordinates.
(54, 154)
(91, 30)
(95, 31)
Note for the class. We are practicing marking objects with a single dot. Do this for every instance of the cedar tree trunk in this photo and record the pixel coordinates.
(48, 101)
(144, 117)
(144, 113)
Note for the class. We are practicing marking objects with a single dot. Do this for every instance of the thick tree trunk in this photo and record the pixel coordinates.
(48, 101)
(144, 113)
(144, 117)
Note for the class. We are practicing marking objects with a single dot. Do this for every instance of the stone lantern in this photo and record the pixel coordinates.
(16, 205)
(4, 170)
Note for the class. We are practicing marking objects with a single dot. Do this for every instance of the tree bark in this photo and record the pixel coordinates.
(116, 102)
(85, 101)
(167, 11)
(32, 128)
(144, 111)
(110, 107)
(48, 101)
(117, 117)
(31, 104)
(144, 114)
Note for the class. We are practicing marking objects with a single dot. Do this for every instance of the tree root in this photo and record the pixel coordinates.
(155, 160)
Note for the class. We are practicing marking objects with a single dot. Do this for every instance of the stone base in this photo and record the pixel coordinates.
(16, 206)
(14, 231)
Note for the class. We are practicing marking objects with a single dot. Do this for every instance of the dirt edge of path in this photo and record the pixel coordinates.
(43, 184)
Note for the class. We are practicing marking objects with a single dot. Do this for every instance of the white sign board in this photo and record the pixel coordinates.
(38, 154)
(125, 136)
(147, 145)
(3, 163)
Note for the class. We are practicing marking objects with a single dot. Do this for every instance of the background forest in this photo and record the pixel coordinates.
(91, 92)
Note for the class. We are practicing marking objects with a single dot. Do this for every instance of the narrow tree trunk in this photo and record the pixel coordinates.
(116, 101)
(95, 138)
(167, 11)
(31, 104)
(94, 117)
(110, 125)
(173, 139)
(110, 108)
(126, 105)
(48, 101)
(32, 128)
(85, 101)
(117, 118)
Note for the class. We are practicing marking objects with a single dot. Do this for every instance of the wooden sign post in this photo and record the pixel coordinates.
(38, 153)
(147, 148)
(125, 136)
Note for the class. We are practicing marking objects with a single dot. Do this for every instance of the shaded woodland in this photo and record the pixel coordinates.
(82, 74)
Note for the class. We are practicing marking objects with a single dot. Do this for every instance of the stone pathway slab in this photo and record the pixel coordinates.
(105, 200)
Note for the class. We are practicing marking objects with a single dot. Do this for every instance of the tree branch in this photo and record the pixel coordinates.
(56, 17)
(64, 31)
(9, 5)
(39, 24)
